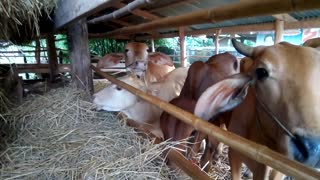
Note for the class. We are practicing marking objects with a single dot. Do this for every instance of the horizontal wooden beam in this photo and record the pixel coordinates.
(285, 17)
(70, 11)
(223, 13)
(311, 23)
(139, 12)
(40, 68)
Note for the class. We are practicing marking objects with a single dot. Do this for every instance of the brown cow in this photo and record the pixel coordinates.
(151, 66)
(110, 60)
(282, 85)
(200, 76)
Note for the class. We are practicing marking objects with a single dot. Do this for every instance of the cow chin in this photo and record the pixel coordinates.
(306, 150)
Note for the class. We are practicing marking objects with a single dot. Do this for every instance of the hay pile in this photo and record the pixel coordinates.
(59, 136)
(21, 17)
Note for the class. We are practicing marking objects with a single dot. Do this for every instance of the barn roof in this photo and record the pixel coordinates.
(148, 12)
(169, 8)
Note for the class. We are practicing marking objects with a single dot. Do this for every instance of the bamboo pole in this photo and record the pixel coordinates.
(250, 149)
(279, 28)
(152, 45)
(216, 42)
(182, 47)
(222, 13)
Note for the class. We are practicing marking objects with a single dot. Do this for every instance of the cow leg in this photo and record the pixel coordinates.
(235, 164)
(259, 171)
(276, 175)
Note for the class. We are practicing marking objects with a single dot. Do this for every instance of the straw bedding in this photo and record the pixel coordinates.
(60, 136)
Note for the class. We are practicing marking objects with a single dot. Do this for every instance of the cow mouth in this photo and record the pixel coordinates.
(306, 150)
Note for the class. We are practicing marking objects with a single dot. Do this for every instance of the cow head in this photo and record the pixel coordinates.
(285, 78)
(115, 98)
(136, 57)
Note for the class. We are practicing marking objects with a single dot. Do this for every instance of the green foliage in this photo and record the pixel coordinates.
(199, 42)
(105, 46)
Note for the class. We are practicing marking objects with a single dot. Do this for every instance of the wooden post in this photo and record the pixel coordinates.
(79, 55)
(216, 43)
(52, 55)
(279, 26)
(182, 47)
(37, 52)
(152, 45)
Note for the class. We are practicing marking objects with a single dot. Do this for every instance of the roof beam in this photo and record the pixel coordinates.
(222, 13)
(122, 23)
(311, 23)
(71, 11)
(139, 12)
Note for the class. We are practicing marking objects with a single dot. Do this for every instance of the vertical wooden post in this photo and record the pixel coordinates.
(79, 55)
(37, 53)
(52, 55)
(152, 45)
(182, 47)
(216, 42)
(279, 26)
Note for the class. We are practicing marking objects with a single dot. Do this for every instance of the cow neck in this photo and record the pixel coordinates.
(263, 107)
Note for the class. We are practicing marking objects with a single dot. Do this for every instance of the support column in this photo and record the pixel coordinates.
(183, 58)
(152, 45)
(38, 50)
(216, 42)
(79, 55)
(52, 56)
(279, 26)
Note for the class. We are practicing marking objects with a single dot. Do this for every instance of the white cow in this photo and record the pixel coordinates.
(114, 98)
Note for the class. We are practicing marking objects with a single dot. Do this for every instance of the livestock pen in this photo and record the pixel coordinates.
(59, 135)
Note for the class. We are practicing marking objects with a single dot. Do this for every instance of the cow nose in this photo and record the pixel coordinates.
(306, 150)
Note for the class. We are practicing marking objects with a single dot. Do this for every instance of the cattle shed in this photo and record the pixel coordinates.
(138, 20)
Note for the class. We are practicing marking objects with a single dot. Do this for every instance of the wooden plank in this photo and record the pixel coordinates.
(69, 11)
(80, 56)
(218, 14)
(52, 56)
(184, 164)
(279, 28)
(182, 47)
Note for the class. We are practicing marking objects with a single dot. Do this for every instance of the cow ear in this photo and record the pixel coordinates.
(222, 96)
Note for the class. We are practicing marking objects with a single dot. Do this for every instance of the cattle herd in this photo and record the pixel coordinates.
(270, 97)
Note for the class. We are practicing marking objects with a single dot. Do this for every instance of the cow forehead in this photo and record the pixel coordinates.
(287, 58)
(137, 46)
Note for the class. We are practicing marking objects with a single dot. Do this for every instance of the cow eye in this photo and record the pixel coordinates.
(261, 73)
(118, 88)
(126, 50)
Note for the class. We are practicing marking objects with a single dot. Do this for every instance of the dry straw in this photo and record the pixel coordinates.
(60, 136)
(20, 18)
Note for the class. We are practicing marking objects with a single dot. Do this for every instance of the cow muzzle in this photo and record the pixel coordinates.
(306, 150)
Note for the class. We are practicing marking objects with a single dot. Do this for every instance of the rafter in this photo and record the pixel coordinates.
(139, 12)
(285, 17)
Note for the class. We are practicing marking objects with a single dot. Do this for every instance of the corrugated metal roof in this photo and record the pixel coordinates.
(306, 14)
(252, 20)
(169, 8)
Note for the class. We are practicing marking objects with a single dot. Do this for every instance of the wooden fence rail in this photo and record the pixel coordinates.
(250, 149)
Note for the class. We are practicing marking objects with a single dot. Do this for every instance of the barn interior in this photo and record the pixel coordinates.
(50, 128)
